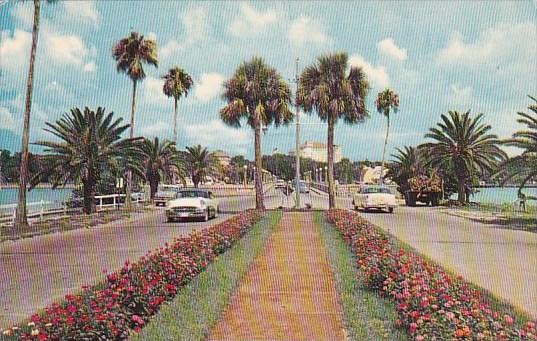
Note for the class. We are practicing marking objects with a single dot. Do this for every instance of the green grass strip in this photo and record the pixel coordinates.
(198, 306)
(366, 315)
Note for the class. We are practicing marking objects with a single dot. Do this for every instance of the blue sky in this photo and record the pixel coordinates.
(438, 55)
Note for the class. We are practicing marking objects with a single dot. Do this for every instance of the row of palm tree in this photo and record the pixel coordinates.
(90, 145)
(462, 149)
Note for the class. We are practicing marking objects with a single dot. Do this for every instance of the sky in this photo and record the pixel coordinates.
(438, 56)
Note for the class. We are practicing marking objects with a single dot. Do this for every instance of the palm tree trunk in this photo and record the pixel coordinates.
(153, 186)
(128, 190)
(175, 122)
(89, 196)
(384, 150)
(461, 191)
(21, 220)
(331, 189)
(259, 202)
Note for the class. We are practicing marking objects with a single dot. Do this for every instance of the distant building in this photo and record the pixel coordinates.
(317, 151)
(222, 157)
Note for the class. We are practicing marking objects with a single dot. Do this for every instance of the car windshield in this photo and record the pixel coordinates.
(371, 190)
(192, 194)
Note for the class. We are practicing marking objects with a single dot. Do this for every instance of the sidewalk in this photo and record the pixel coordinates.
(288, 293)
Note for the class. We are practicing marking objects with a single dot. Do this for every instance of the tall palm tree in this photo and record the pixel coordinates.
(161, 160)
(523, 166)
(386, 101)
(21, 219)
(258, 94)
(199, 163)
(176, 84)
(334, 91)
(89, 144)
(464, 144)
(130, 54)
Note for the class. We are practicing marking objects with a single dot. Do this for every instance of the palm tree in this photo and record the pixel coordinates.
(408, 162)
(21, 219)
(161, 160)
(176, 83)
(199, 163)
(523, 166)
(386, 101)
(89, 144)
(464, 144)
(334, 91)
(258, 94)
(130, 54)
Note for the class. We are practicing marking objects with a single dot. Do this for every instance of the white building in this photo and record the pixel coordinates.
(222, 157)
(317, 151)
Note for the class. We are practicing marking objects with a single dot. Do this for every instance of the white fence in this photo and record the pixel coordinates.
(43, 208)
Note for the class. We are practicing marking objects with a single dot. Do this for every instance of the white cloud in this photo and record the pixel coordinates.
(249, 21)
(89, 67)
(194, 23)
(156, 129)
(82, 11)
(377, 75)
(209, 86)
(389, 48)
(6, 120)
(215, 133)
(461, 95)
(153, 90)
(14, 50)
(68, 49)
(151, 36)
(497, 44)
(307, 30)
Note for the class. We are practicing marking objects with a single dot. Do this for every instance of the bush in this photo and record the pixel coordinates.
(124, 302)
(432, 304)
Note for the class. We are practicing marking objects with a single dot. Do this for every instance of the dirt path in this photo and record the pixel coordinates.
(289, 292)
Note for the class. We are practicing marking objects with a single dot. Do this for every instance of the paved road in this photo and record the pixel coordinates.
(38, 271)
(500, 260)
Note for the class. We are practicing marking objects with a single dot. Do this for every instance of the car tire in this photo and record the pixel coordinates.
(390, 210)
(170, 220)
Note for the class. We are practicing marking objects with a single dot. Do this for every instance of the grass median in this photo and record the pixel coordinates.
(366, 315)
(198, 306)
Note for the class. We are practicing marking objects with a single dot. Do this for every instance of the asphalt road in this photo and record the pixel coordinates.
(38, 271)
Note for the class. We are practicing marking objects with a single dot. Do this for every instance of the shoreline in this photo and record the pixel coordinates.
(40, 186)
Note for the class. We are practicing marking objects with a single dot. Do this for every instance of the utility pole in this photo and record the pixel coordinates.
(297, 186)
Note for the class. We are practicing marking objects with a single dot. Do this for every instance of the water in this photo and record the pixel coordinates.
(501, 195)
(52, 197)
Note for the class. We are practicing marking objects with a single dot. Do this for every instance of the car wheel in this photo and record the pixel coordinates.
(390, 210)
(170, 220)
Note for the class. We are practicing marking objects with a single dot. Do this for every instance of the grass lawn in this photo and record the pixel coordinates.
(198, 306)
(366, 315)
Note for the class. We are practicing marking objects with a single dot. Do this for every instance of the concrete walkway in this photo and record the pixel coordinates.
(289, 292)
(500, 260)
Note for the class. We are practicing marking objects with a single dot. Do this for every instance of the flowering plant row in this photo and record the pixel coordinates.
(432, 305)
(124, 302)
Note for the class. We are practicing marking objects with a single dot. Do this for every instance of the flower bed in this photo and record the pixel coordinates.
(124, 302)
(432, 305)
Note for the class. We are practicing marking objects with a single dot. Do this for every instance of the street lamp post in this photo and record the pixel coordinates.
(245, 173)
(326, 175)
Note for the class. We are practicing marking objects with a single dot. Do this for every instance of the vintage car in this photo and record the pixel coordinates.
(374, 197)
(165, 193)
(192, 203)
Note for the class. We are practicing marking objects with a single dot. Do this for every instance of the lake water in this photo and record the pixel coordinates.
(52, 197)
(501, 195)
